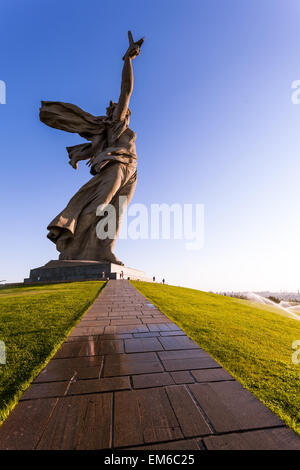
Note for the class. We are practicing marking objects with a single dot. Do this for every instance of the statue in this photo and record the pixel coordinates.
(111, 154)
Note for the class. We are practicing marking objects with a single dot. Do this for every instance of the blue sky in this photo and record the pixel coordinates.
(214, 120)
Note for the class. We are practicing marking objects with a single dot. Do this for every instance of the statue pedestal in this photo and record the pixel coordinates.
(81, 270)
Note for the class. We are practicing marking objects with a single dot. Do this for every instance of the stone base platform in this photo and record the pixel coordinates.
(81, 270)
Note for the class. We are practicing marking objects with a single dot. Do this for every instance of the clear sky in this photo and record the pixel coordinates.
(214, 120)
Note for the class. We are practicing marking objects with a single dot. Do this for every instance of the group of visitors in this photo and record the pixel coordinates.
(154, 280)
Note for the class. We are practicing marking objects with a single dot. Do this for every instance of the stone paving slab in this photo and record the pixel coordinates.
(230, 407)
(187, 444)
(266, 439)
(127, 377)
(75, 423)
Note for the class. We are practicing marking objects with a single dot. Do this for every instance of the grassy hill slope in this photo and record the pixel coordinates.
(34, 321)
(253, 344)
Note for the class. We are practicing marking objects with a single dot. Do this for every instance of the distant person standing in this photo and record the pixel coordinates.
(163, 281)
(153, 279)
(103, 274)
(122, 275)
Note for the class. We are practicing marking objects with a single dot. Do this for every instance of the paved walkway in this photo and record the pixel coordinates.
(129, 378)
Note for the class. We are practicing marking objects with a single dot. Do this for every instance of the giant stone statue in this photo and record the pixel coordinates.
(111, 154)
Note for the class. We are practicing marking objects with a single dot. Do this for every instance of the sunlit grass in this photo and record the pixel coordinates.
(252, 343)
(34, 321)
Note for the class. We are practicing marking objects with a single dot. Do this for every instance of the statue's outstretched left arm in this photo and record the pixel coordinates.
(127, 78)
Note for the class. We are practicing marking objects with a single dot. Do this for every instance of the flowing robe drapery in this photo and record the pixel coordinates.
(74, 229)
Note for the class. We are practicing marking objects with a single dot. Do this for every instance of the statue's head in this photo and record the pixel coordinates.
(112, 106)
(110, 109)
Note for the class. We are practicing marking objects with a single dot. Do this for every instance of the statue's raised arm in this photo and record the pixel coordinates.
(127, 78)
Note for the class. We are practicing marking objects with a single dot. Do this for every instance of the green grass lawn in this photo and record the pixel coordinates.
(253, 344)
(34, 321)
